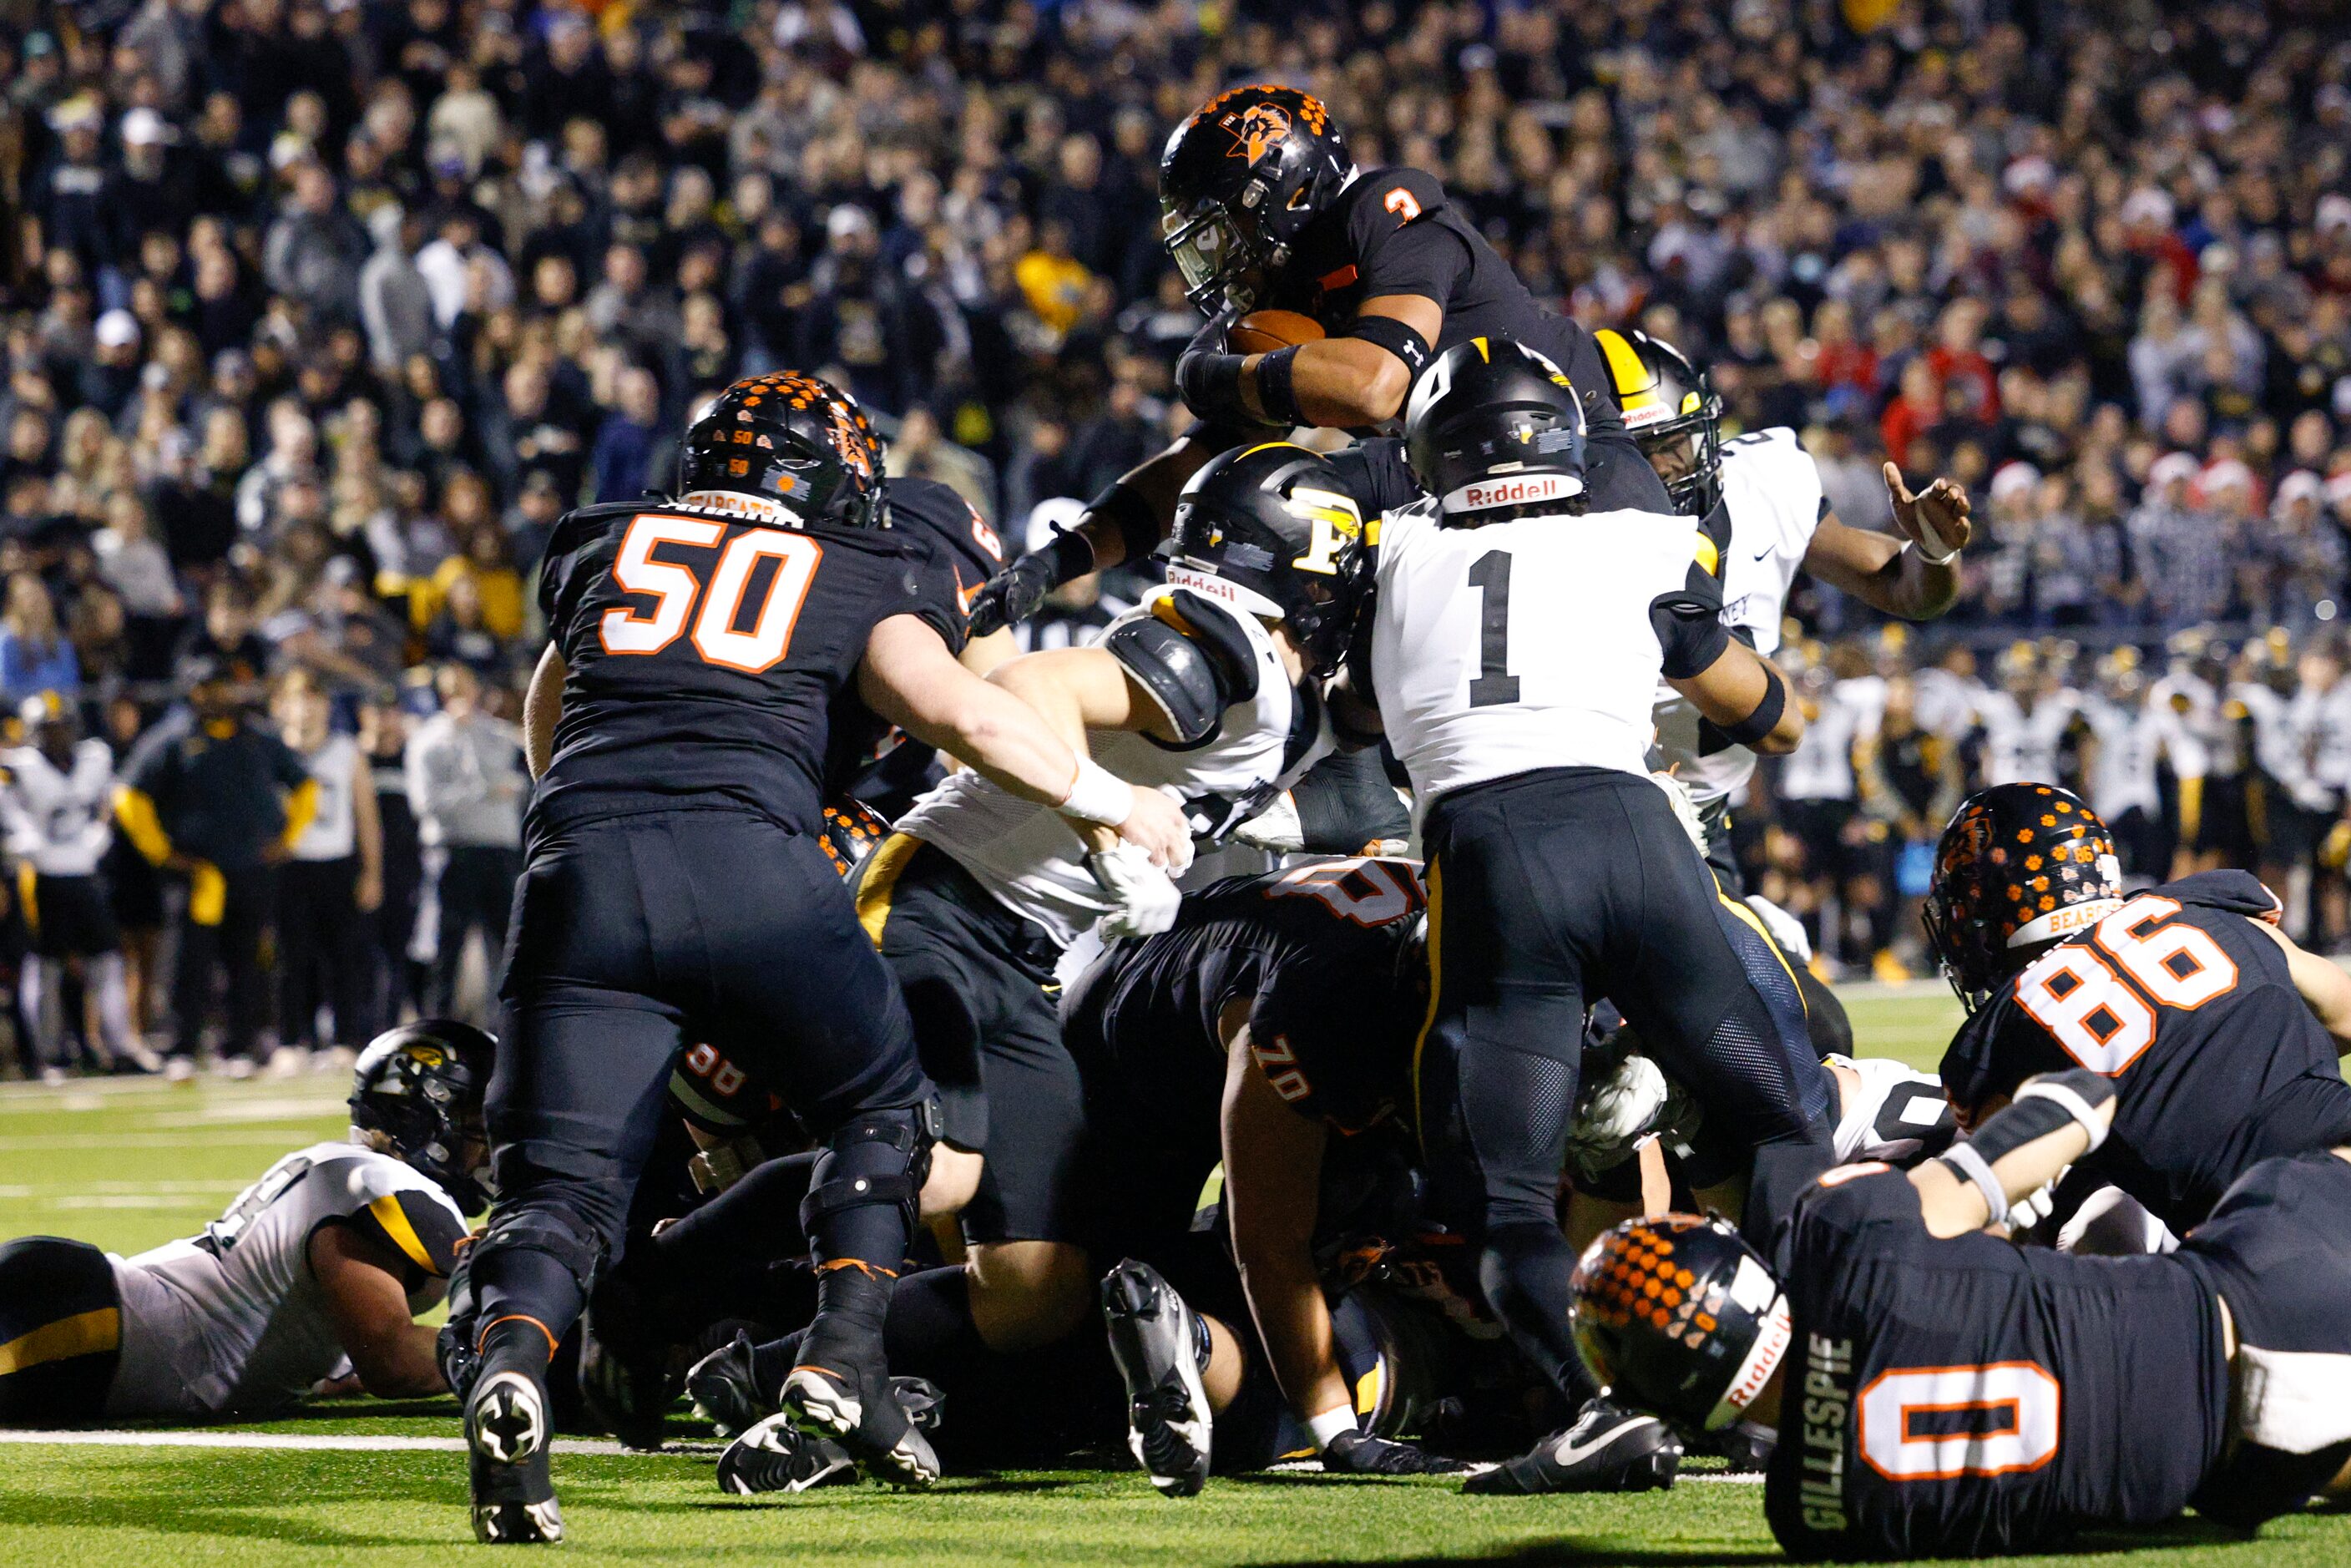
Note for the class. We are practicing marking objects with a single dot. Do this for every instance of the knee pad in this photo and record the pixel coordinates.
(874, 1158)
(551, 1232)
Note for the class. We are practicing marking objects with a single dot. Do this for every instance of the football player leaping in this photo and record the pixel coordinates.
(1516, 651)
(678, 723)
(1263, 206)
(316, 1271)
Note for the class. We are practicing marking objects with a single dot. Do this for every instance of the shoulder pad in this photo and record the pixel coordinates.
(1398, 197)
(421, 1226)
(939, 513)
(1192, 656)
(1713, 545)
(2236, 891)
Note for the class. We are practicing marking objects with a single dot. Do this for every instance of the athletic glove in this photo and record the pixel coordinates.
(1020, 590)
(1625, 1105)
(1361, 1454)
(1145, 897)
(1209, 380)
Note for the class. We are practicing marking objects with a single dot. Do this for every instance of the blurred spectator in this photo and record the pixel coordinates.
(34, 655)
(465, 785)
(330, 883)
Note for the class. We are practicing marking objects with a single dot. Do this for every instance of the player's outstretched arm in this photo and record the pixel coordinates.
(2055, 1119)
(542, 706)
(1079, 689)
(2325, 987)
(360, 1278)
(910, 678)
(1914, 574)
(1728, 681)
(1274, 1171)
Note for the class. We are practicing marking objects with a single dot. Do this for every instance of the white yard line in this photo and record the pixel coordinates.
(347, 1442)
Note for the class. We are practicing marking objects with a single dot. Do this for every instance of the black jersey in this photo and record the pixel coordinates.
(872, 760)
(1312, 951)
(1392, 231)
(1965, 1397)
(706, 653)
(2217, 1062)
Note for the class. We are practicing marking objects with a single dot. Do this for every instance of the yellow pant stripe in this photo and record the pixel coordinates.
(84, 1333)
(1755, 920)
(877, 881)
(25, 879)
(1436, 986)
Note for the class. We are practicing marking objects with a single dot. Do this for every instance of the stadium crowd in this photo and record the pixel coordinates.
(319, 313)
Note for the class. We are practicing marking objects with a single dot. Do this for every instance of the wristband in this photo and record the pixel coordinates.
(1766, 716)
(1327, 1427)
(1965, 1161)
(1275, 393)
(2054, 1088)
(1122, 506)
(1098, 795)
(1210, 383)
(1929, 557)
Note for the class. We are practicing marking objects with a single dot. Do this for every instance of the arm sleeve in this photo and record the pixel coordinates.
(301, 807)
(416, 1225)
(1345, 802)
(135, 809)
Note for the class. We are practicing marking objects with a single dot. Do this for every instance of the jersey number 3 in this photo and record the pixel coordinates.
(2079, 995)
(718, 636)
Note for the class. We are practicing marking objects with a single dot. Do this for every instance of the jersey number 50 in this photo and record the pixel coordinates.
(2098, 1018)
(674, 588)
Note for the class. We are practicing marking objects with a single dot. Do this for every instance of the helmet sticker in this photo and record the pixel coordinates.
(1257, 130)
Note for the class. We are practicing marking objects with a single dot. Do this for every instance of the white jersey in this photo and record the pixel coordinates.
(233, 1320)
(59, 823)
(1521, 645)
(1771, 495)
(2330, 736)
(2130, 738)
(2020, 746)
(1030, 857)
(1821, 768)
(333, 833)
(2284, 740)
(1946, 703)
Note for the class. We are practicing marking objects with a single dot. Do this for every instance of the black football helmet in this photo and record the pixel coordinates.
(1495, 428)
(792, 440)
(1238, 183)
(418, 1089)
(2020, 866)
(1677, 1316)
(1273, 529)
(1665, 399)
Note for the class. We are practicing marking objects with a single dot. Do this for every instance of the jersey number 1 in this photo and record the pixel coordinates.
(1490, 575)
(674, 588)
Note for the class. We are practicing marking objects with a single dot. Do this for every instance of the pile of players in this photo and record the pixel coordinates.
(915, 1120)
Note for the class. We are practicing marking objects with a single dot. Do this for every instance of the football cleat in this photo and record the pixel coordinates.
(624, 1370)
(724, 1391)
(774, 1455)
(862, 1410)
(1606, 1448)
(506, 1445)
(1152, 1337)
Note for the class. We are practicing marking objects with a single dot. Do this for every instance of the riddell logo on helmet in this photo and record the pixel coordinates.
(1521, 490)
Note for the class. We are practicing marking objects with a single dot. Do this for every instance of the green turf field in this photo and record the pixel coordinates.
(133, 1164)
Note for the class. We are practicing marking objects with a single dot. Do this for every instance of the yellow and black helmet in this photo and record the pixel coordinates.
(1663, 398)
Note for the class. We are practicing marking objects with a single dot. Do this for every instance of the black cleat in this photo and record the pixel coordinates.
(507, 1441)
(861, 1411)
(724, 1391)
(775, 1455)
(624, 1368)
(1606, 1448)
(1152, 1336)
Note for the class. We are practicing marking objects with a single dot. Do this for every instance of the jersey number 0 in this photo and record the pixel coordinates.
(717, 635)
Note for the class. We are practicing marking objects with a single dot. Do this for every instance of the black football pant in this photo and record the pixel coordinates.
(324, 953)
(474, 889)
(60, 1331)
(1547, 890)
(227, 938)
(631, 936)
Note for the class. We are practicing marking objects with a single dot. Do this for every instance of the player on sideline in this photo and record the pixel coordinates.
(2221, 1035)
(1515, 654)
(676, 888)
(1263, 208)
(1940, 1392)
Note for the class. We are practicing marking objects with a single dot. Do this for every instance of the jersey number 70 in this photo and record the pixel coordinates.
(674, 588)
(2079, 993)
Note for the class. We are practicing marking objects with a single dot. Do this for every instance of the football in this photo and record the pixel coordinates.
(1262, 331)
